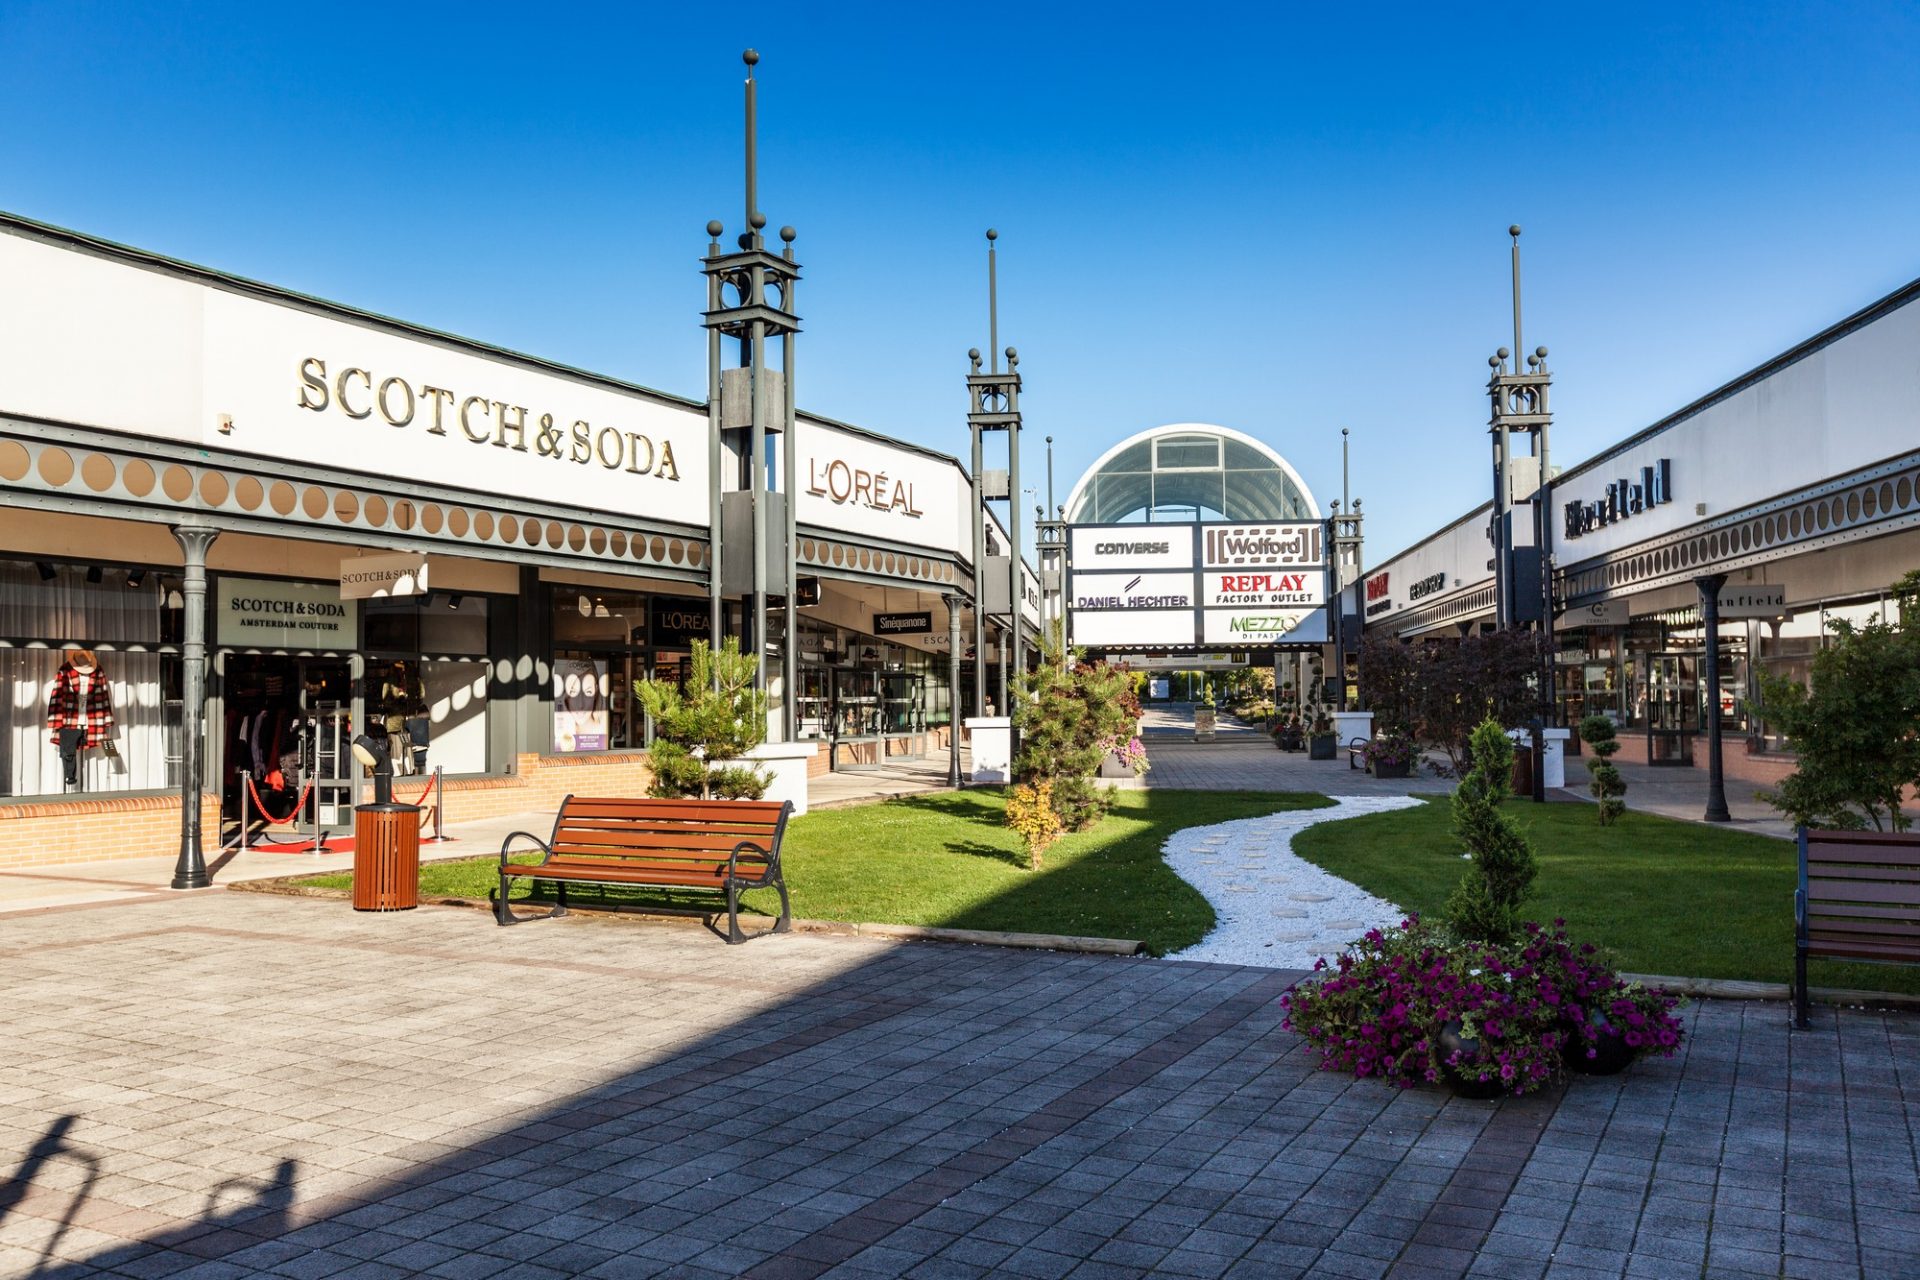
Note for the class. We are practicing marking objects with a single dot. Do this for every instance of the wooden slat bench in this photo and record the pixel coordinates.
(723, 846)
(1859, 899)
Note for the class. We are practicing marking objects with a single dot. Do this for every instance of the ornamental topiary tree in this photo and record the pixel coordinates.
(1485, 906)
(703, 727)
(1606, 783)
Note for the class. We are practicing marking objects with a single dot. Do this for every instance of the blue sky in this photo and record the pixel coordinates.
(1283, 218)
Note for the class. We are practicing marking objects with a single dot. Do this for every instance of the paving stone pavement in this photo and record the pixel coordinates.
(229, 1085)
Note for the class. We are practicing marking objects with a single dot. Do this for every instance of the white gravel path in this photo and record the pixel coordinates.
(1276, 910)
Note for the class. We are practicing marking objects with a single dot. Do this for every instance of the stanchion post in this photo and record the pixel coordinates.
(246, 798)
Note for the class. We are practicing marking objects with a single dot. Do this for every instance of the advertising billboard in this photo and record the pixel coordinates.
(1197, 584)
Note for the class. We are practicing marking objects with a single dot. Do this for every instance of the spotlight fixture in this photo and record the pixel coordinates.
(46, 570)
(136, 576)
(94, 574)
(453, 601)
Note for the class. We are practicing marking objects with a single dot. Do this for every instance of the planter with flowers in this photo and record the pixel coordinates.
(1323, 744)
(1124, 758)
(1389, 754)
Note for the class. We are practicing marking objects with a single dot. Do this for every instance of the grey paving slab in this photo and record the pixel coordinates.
(229, 1084)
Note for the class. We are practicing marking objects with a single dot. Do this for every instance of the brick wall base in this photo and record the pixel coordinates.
(93, 830)
(57, 832)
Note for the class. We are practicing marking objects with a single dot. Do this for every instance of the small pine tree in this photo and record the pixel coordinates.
(1606, 783)
(702, 729)
(1485, 906)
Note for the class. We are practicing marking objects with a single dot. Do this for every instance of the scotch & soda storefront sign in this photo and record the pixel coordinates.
(258, 613)
(157, 354)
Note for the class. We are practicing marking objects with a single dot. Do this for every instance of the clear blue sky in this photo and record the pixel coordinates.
(1283, 218)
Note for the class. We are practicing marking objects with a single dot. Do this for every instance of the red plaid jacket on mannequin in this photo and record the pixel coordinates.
(65, 712)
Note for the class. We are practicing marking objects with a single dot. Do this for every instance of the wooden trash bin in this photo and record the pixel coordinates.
(386, 857)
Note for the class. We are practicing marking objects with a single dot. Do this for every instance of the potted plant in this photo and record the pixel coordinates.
(1323, 745)
(1204, 716)
(1287, 735)
(1389, 754)
(1126, 757)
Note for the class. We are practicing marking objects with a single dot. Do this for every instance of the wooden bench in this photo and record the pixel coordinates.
(1356, 753)
(1859, 899)
(722, 846)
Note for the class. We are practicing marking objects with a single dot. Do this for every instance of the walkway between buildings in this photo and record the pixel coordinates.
(253, 1085)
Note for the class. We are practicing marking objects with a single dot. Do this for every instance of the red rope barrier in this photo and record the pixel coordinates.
(260, 805)
(423, 793)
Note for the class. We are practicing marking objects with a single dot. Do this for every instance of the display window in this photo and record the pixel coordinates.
(603, 643)
(87, 653)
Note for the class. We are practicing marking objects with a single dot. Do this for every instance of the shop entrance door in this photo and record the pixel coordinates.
(1673, 707)
(280, 712)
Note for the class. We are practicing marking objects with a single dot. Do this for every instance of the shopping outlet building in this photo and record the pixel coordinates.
(1797, 483)
(474, 551)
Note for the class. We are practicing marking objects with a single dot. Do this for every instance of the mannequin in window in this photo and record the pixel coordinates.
(401, 698)
(79, 710)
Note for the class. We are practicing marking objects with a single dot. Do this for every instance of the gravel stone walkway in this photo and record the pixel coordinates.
(1276, 910)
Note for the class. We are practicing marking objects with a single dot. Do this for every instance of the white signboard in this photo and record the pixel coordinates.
(256, 613)
(109, 344)
(370, 577)
(1109, 628)
(580, 704)
(860, 485)
(1266, 588)
(1228, 546)
(1129, 547)
(1133, 591)
(1608, 613)
(1758, 601)
(1264, 626)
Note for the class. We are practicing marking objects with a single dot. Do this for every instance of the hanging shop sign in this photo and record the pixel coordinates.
(1622, 499)
(1607, 613)
(675, 622)
(900, 624)
(580, 702)
(1759, 600)
(372, 577)
(259, 613)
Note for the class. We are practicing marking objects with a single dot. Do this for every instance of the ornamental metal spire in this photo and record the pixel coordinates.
(994, 399)
(750, 299)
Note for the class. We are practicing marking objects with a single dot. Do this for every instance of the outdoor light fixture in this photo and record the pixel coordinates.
(373, 753)
(46, 570)
(453, 601)
(135, 577)
(94, 574)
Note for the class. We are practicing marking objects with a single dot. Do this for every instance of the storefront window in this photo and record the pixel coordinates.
(82, 652)
(427, 679)
(601, 647)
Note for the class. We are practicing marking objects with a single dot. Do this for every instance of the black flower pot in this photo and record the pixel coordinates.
(1322, 746)
(1611, 1055)
(1453, 1041)
(1384, 769)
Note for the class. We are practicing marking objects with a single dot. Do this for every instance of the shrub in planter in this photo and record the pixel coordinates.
(1389, 754)
(1322, 745)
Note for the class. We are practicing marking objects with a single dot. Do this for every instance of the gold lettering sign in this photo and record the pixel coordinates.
(841, 484)
(483, 420)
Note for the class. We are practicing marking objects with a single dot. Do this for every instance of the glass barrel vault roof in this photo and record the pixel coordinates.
(1188, 472)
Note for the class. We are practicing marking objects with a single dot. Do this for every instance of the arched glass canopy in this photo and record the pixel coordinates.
(1189, 471)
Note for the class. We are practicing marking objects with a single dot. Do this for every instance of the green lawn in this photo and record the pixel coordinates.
(947, 859)
(1666, 897)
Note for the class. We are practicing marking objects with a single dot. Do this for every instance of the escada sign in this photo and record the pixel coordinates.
(841, 483)
(1623, 498)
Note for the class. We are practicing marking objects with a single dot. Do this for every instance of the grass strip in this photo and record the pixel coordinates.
(947, 860)
(1664, 896)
